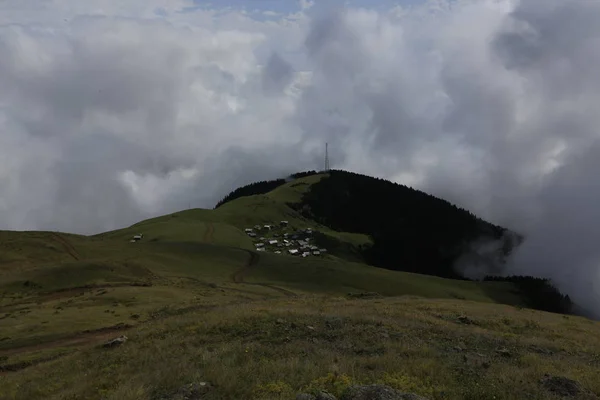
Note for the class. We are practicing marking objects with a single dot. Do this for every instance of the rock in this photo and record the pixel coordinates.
(191, 391)
(364, 295)
(280, 321)
(377, 392)
(321, 395)
(458, 348)
(503, 352)
(463, 319)
(310, 328)
(541, 350)
(334, 323)
(115, 342)
(305, 396)
(561, 386)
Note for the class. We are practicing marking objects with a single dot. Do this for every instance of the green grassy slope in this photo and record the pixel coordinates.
(199, 304)
(225, 225)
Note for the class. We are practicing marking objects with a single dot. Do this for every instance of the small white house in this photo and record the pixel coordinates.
(316, 253)
(260, 249)
(284, 223)
(277, 252)
(293, 251)
(257, 227)
(267, 227)
(260, 244)
(323, 250)
(273, 241)
(252, 234)
(138, 237)
(248, 230)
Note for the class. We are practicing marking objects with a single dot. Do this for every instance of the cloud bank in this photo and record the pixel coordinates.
(111, 112)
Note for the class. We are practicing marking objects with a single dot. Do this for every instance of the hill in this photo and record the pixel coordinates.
(407, 229)
(199, 303)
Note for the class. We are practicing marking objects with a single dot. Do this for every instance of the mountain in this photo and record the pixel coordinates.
(199, 302)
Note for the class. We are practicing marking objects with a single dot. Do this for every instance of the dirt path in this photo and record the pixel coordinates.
(209, 234)
(82, 338)
(69, 293)
(66, 245)
(238, 276)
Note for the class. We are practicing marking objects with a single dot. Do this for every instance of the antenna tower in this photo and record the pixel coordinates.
(326, 157)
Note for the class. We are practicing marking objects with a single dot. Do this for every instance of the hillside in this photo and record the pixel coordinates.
(407, 229)
(199, 303)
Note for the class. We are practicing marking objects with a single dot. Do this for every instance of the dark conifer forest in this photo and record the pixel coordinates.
(411, 230)
(539, 293)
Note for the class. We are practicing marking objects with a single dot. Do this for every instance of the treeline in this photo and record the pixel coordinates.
(538, 293)
(299, 175)
(411, 230)
(261, 187)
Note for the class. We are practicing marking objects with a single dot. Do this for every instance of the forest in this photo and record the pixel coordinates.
(539, 293)
(411, 230)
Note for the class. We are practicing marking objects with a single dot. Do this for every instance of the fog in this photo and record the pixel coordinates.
(115, 112)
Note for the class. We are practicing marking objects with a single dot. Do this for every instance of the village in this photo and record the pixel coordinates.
(274, 238)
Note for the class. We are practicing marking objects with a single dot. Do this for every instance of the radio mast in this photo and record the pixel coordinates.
(326, 157)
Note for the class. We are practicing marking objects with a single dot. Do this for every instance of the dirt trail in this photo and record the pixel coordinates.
(69, 293)
(209, 234)
(238, 276)
(82, 338)
(66, 245)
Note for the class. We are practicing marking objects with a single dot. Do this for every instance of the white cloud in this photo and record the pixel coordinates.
(114, 111)
(306, 4)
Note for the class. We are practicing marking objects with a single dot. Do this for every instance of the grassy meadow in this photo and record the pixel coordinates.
(198, 304)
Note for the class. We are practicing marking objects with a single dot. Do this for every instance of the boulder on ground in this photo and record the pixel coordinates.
(321, 395)
(115, 342)
(561, 386)
(191, 391)
(377, 392)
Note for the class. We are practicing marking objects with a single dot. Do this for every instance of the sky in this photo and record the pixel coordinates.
(115, 111)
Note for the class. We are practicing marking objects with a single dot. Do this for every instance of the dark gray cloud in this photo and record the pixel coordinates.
(277, 75)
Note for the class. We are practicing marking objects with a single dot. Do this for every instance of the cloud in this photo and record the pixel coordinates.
(111, 112)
